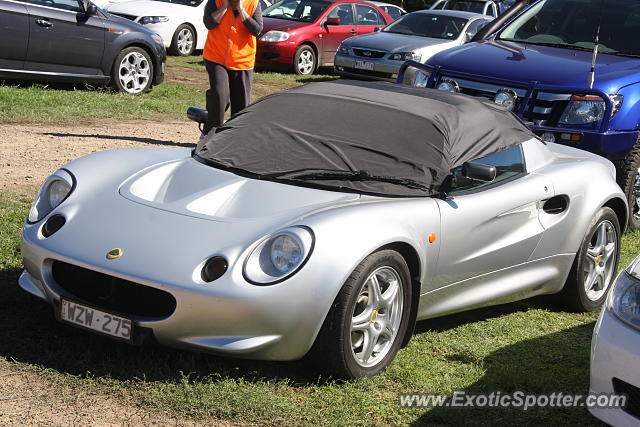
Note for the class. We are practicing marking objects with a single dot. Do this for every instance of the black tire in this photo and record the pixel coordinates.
(136, 75)
(184, 41)
(333, 350)
(629, 181)
(574, 293)
(305, 61)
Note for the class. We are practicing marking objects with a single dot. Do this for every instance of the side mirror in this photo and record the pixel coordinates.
(478, 171)
(332, 21)
(198, 115)
(92, 9)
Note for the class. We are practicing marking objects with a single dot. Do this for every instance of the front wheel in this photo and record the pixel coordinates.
(596, 263)
(368, 319)
(304, 61)
(629, 180)
(132, 71)
(184, 41)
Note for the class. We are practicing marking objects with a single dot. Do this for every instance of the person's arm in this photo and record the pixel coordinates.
(252, 23)
(213, 14)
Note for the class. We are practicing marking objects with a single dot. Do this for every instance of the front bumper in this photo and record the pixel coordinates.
(278, 54)
(383, 69)
(611, 144)
(615, 353)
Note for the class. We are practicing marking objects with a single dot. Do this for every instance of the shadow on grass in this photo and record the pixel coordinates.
(123, 138)
(558, 362)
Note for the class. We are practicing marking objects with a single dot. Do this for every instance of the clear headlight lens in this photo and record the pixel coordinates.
(624, 300)
(53, 192)
(146, 20)
(343, 49)
(416, 77)
(582, 110)
(279, 256)
(274, 36)
(506, 98)
(406, 56)
(448, 85)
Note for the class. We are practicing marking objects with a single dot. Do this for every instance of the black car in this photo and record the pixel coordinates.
(75, 41)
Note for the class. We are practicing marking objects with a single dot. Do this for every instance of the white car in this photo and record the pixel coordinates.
(105, 4)
(178, 22)
(615, 349)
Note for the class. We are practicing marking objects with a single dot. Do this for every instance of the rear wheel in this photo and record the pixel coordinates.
(368, 319)
(132, 71)
(629, 180)
(595, 265)
(304, 60)
(184, 41)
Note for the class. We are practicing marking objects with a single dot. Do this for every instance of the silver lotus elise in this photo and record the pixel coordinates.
(323, 221)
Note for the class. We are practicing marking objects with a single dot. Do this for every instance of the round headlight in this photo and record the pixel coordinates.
(53, 192)
(279, 256)
(448, 86)
(506, 98)
(548, 137)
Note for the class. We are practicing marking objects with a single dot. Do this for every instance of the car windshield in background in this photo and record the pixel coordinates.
(573, 24)
(297, 10)
(427, 25)
(193, 3)
(467, 6)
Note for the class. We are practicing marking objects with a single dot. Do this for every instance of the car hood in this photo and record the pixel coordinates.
(149, 7)
(542, 64)
(191, 188)
(280, 24)
(393, 42)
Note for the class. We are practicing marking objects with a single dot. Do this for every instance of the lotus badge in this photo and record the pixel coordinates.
(114, 253)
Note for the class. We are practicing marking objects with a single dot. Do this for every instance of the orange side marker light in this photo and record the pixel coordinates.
(432, 237)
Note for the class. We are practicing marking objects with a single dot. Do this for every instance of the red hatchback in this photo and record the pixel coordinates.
(306, 33)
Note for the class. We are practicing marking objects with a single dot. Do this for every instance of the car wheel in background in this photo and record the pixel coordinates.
(629, 181)
(366, 324)
(132, 71)
(596, 263)
(304, 60)
(184, 41)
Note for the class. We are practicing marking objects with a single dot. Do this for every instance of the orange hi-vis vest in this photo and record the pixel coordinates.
(230, 43)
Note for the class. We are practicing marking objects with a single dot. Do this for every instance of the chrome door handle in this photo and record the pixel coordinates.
(44, 23)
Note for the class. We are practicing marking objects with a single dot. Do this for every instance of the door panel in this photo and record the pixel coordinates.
(333, 35)
(14, 30)
(64, 40)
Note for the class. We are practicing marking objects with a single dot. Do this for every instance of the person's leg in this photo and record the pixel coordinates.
(217, 95)
(240, 84)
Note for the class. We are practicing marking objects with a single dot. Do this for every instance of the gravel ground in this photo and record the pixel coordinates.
(29, 153)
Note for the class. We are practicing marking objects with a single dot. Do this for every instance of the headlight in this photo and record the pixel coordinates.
(406, 56)
(157, 38)
(448, 85)
(53, 192)
(582, 110)
(343, 49)
(274, 36)
(146, 20)
(624, 300)
(279, 256)
(420, 79)
(506, 98)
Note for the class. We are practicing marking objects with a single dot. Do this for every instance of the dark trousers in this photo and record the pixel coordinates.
(226, 87)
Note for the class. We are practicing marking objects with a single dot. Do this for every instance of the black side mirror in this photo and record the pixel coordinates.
(198, 115)
(92, 9)
(479, 172)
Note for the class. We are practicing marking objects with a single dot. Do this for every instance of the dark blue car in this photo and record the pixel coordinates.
(539, 66)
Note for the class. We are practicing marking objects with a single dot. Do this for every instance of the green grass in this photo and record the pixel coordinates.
(521, 346)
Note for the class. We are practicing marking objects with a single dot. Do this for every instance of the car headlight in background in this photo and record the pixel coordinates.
(53, 192)
(343, 49)
(146, 20)
(624, 300)
(506, 98)
(274, 36)
(279, 256)
(406, 56)
(448, 85)
(586, 109)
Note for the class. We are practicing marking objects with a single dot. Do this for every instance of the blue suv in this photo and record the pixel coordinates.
(539, 66)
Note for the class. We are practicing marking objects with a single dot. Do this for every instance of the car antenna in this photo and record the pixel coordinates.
(596, 45)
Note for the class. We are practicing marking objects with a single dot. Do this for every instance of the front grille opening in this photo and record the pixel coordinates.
(112, 293)
(367, 72)
(366, 53)
(633, 396)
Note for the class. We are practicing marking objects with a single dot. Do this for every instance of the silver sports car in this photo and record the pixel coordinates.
(323, 221)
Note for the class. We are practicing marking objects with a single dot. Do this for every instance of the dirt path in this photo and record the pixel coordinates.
(29, 153)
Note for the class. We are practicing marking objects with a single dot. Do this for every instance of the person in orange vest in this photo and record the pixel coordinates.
(230, 55)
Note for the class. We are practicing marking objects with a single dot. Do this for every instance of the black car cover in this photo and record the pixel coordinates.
(387, 139)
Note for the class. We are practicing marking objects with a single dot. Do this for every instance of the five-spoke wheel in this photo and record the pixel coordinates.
(133, 71)
(184, 41)
(304, 60)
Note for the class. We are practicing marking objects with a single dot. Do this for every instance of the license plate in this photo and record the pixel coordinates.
(364, 65)
(96, 320)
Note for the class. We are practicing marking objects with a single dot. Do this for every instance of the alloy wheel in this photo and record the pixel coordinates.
(134, 72)
(376, 316)
(185, 41)
(305, 62)
(600, 260)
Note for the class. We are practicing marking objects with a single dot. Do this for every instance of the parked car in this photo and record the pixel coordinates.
(615, 350)
(179, 22)
(486, 7)
(304, 34)
(255, 244)
(392, 10)
(62, 41)
(416, 36)
(539, 66)
(104, 4)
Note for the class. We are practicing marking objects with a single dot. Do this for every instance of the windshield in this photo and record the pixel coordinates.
(573, 24)
(193, 3)
(297, 10)
(427, 25)
(465, 5)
